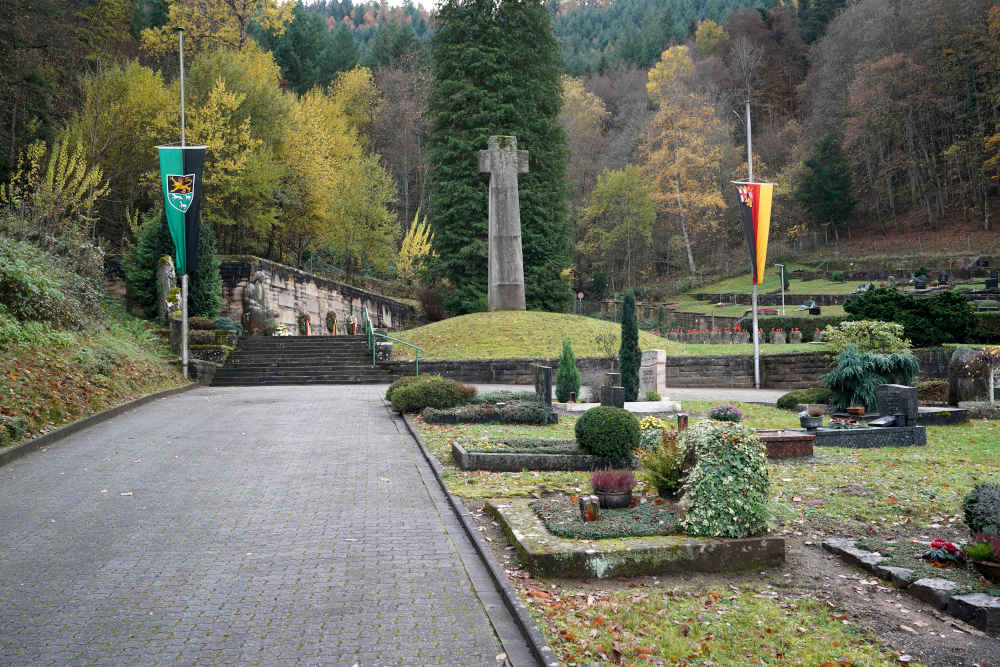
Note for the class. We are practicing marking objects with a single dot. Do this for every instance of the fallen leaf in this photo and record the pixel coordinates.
(384, 479)
(125, 493)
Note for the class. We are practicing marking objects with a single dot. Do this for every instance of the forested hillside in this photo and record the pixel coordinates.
(876, 120)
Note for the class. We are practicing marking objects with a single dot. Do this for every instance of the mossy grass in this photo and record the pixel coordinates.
(561, 516)
(906, 553)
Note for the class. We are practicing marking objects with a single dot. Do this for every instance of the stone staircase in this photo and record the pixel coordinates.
(271, 360)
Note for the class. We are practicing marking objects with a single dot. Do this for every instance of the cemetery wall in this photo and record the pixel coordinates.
(700, 321)
(291, 291)
(796, 370)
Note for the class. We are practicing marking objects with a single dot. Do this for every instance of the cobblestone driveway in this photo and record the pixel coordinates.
(280, 525)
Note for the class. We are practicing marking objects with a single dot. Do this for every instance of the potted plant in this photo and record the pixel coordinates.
(943, 554)
(613, 488)
(984, 552)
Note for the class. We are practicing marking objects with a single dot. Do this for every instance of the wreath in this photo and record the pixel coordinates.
(303, 320)
(331, 323)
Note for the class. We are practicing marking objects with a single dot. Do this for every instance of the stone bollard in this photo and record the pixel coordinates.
(818, 336)
(795, 336)
(777, 336)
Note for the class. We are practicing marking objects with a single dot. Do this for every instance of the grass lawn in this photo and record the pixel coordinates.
(531, 334)
(902, 492)
(514, 334)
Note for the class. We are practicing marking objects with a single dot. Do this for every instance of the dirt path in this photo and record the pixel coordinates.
(903, 623)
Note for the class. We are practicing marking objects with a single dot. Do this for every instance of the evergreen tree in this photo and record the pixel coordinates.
(814, 15)
(496, 72)
(152, 241)
(629, 355)
(825, 186)
(567, 377)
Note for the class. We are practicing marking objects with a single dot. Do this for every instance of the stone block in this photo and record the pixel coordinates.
(978, 610)
(960, 386)
(543, 385)
(900, 576)
(898, 400)
(936, 592)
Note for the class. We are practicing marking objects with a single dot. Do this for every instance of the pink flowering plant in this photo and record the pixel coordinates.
(725, 413)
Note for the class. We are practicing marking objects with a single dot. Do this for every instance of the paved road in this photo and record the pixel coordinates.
(280, 525)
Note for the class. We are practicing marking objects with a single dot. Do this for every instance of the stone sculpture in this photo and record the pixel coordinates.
(257, 317)
(166, 280)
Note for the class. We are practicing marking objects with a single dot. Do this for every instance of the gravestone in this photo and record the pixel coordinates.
(991, 282)
(503, 162)
(543, 386)
(961, 387)
(899, 401)
(612, 393)
(653, 372)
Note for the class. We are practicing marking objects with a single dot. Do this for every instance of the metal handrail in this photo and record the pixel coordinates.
(371, 335)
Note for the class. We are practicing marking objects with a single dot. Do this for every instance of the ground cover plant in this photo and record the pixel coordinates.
(526, 446)
(561, 516)
(515, 412)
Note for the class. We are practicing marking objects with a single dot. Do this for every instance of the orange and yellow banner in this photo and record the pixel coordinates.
(755, 205)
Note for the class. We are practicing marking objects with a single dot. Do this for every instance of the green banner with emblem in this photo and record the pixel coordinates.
(180, 175)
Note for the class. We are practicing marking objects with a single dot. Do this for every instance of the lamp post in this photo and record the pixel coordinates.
(782, 267)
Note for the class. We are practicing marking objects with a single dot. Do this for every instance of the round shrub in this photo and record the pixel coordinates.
(811, 395)
(401, 382)
(982, 509)
(431, 391)
(609, 432)
(727, 491)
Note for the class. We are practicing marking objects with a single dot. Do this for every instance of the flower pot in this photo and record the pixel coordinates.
(989, 569)
(614, 500)
(816, 409)
(856, 410)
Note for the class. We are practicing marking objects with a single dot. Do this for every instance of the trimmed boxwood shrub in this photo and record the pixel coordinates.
(522, 412)
(806, 324)
(401, 382)
(425, 391)
(792, 399)
(982, 509)
(727, 491)
(609, 432)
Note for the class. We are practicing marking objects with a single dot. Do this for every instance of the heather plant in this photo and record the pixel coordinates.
(725, 413)
(612, 481)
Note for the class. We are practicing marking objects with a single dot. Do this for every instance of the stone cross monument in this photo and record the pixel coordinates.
(503, 162)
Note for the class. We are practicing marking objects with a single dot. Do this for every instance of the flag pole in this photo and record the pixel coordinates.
(184, 276)
(753, 276)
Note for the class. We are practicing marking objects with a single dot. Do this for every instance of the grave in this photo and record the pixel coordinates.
(787, 443)
(613, 393)
(543, 385)
(653, 372)
(503, 162)
(896, 425)
(500, 461)
(545, 554)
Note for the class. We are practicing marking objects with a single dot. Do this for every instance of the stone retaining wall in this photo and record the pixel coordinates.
(700, 321)
(774, 299)
(795, 370)
(291, 291)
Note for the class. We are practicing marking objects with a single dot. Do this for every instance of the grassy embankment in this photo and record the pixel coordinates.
(533, 334)
(65, 353)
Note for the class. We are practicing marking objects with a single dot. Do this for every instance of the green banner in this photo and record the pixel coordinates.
(180, 176)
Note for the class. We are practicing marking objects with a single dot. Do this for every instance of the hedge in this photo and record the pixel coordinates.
(987, 327)
(807, 324)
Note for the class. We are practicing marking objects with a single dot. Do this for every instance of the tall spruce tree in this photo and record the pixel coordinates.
(496, 72)
(629, 355)
(825, 184)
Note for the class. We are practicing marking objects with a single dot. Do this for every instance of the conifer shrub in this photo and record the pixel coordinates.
(857, 375)
(726, 492)
(608, 431)
(982, 509)
(629, 354)
(567, 376)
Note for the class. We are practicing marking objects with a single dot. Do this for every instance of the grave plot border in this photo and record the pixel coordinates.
(545, 554)
(979, 610)
(866, 438)
(516, 462)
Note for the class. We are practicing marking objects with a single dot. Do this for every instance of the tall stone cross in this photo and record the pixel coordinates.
(503, 162)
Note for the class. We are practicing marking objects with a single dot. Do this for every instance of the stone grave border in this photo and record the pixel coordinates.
(874, 436)
(547, 555)
(516, 462)
(979, 610)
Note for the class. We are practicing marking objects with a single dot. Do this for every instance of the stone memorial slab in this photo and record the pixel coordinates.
(899, 401)
(653, 372)
(503, 162)
(543, 385)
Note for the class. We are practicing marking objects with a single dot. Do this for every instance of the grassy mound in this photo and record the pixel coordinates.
(512, 334)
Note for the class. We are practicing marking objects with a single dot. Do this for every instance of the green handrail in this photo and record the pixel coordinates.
(371, 335)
